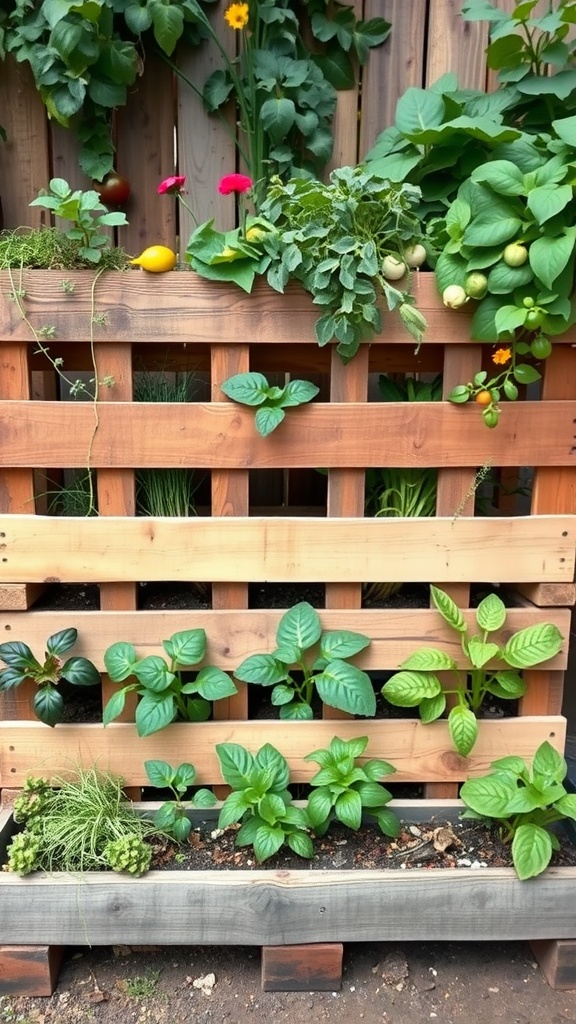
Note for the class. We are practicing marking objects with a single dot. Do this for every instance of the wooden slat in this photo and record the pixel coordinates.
(136, 306)
(418, 752)
(17, 597)
(24, 155)
(231, 549)
(345, 123)
(222, 436)
(548, 594)
(455, 45)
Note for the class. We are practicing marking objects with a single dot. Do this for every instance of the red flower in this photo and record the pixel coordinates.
(234, 183)
(172, 186)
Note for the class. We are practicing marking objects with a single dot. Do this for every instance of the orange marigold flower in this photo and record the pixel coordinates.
(237, 15)
(501, 356)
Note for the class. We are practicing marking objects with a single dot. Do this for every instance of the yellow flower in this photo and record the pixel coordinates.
(237, 15)
(501, 356)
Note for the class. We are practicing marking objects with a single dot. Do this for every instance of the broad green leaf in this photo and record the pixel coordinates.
(485, 230)
(48, 705)
(526, 374)
(236, 764)
(120, 660)
(376, 769)
(449, 611)
(213, 684)
(301, 844)
(153, 673)
(463, 727)
(549, 256)
(481, 653)
(11, 677)
(347, 688)
(342, 643)
(566, 805)
(348, 809)
(512, 763)
(61, 642)
(396, 166)
(187, 647)
(297, 392)
(548, 200)
(262, 669)
(418, 109)
(160, 773)
(429, 659)
(204, 798)
(272, 761)
(271, 808)
(548, 764)
(533, 645)
(115, 706)
(154, 712)
(491, 613)
(166, 816)
(80, 672)
(502, 175)
(511, 684)
(319, 807)
(267, 842)
(372, 794)
(388, 822)
(267, 418)
(297, 710)
(531, 850)
(247, 388)
(489, 796)
(168, 23)
(181, 828)
(281, 694)
(18, 655)
(233, 809)
(247, 831)
(432, 708)
(503, 280)
(277, 116)
(407, 689)
(299, 627)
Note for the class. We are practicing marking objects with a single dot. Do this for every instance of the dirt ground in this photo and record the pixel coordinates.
(442, 983)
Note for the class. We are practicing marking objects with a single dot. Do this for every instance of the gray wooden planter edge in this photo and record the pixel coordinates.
(271, 907)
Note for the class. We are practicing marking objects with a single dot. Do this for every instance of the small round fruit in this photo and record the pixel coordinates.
(484, 398)
(454, 296)
(156, 259)
(415, 256)
(541, 347)
(528, 302)
(490, 417)
(114, 189)
(476, 285)
(515, 255)
(392, 268)
(534, 318)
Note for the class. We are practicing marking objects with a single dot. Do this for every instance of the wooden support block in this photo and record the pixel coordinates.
(557, 959)
(29, 970)
(315, 967)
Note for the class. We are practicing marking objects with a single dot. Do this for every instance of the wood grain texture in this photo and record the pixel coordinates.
(27, 970)
(548, 594)
(24, 161)
(343, 436)
(235, 634)
(418, 752)
(278, 549)
(18, 597)
(312, 967)
(455, 45)
(557, 960)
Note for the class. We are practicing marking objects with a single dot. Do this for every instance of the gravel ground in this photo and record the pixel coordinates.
(437, 983)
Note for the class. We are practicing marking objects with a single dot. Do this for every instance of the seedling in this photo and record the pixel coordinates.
(262, 802)
(88, 215)
(345, 789)
(417, 685)
(171, 817)
(294, 679)
(253, 389)
(525, 802)
(165, 695)
(48, 703)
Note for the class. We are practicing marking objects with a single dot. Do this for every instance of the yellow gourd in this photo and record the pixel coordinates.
(156, 259)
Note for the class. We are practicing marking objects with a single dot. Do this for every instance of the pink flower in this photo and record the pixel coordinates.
(234, 183)
(172, 186)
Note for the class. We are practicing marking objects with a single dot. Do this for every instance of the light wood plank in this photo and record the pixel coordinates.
(548, 594)
(18, 597)
(418, 752)
(343, 436)
(455, 45)
(24, 156)
(302, 550)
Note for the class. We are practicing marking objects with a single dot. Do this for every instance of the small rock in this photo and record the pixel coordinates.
(415, 830)
(205, 984)
(393, 969)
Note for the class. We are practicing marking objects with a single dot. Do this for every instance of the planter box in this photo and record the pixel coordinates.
(267, 907)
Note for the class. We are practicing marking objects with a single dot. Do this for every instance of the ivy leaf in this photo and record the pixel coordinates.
(277, 116)
(168, 22)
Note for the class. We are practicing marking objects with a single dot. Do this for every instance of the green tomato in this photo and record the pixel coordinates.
(534, 318)
(392, 268)
(415, 256)
(490, 417)
(476, 285)
(528, 302)
(540, 347)
(515, 255)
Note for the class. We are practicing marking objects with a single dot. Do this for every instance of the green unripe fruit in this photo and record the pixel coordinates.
(454, 296)
(415, 256)
(476, 285)
(490, 417)
(515, 255)
(528, 302)
(540, 347)
(392, 268)
(534, 318)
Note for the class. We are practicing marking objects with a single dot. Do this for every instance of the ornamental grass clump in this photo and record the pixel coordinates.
(83, 823)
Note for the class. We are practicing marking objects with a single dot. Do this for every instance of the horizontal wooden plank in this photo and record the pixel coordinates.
(143, 308)
(17, 597)
(419, 753)
(548, 594)
(235, 635)
(222, 435)
(230, 549)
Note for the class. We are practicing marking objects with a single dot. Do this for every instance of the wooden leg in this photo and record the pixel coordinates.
(29, 970)
(557, 959)
(313, 967)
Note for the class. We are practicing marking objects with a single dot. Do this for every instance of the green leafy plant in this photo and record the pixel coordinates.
(81, 823)
(292, 58)
(48, 703)
(261, 800)
(417, 685)
(346, 790)
(294, 677)
(346, 242)
(171, 817)
(525, 802)
(87, 213)
(165, 693)
(253, 389)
